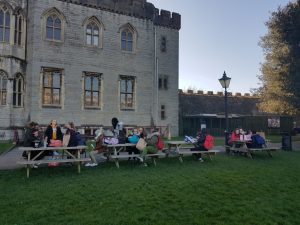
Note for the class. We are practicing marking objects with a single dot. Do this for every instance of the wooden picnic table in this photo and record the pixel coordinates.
(240, 146)
(114, 153)
(183, 148)
(66, 151)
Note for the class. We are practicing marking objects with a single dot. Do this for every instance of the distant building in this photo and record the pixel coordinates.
(88, 61)
(198, 110)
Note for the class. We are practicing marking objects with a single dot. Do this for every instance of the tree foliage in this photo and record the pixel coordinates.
(280, 91)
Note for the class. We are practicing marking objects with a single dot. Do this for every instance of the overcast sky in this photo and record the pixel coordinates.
(218, 35)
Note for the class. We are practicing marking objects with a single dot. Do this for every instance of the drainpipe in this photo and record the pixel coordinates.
(155, 88)
(26, 29)
(154, 74)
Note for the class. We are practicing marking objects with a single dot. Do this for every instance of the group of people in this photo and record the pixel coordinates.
(252, 138)
(119, 135)
(52, 137)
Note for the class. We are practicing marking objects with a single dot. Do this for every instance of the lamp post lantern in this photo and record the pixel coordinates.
(225, 81)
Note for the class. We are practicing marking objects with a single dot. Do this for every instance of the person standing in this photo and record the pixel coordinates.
(118, 130)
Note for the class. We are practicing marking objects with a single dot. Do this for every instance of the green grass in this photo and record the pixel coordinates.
(229, 190)
(278, 138)
(5, 146)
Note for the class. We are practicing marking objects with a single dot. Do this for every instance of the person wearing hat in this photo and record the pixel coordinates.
(98, 149)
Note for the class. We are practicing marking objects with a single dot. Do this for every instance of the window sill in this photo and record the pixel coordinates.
(92, 108)
(54, 41)
(93, 46)
(51, 106)
(127, 109)
(128, 52)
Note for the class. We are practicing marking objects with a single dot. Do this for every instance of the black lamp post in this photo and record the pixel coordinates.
(225, 81)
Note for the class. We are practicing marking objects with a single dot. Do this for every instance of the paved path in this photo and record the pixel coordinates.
(8, 161)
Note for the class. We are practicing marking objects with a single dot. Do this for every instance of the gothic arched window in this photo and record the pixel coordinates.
(92, 34)
(18, 30)
(3, 88)
(127, 40)
(18, 91)
(53, 28)
(4, 24)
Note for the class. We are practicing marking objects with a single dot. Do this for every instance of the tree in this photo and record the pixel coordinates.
(280, 91)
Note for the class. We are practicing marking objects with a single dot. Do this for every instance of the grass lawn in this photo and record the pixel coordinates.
(229, 190)
(4, 146)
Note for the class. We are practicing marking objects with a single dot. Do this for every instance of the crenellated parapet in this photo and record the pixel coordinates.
(211, 93)
(136, 8)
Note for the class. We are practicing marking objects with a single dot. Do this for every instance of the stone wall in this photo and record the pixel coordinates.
(146, 63)
(191, 103)
(74, 57)
(12, 63)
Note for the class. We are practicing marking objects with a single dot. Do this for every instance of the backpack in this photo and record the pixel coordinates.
(209, 142)
(80, 139)
(189, 139)
(111, 141)
(257, 141)
(160, 143)
(133, 139)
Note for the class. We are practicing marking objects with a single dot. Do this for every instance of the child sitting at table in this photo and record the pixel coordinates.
(133, 138)
(99, 147)
(151, 140)
(32, 138)
(257, 141)
(235, 136)
(199, 145)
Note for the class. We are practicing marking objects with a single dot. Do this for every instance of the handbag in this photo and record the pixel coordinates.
(66, 139)
(141, 144)
(55, 143)
(133, 139)
(53, 164)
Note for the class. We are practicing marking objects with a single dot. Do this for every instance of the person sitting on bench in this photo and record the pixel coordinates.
(99, 147)
(257, 141)
(199, 145)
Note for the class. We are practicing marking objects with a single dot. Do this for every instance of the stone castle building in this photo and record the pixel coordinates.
(88, 61)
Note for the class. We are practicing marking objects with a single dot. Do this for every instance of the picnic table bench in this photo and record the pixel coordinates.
(73, 158)
(208, 153)
(183, 148)
(241, 147)
(114, 153)
(269, 150)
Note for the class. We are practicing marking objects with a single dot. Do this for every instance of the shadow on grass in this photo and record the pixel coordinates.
(170, 193)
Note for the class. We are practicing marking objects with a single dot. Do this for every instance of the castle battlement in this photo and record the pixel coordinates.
(136, 8)
(211, 93)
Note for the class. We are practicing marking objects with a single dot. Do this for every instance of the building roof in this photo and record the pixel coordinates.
(136, 8)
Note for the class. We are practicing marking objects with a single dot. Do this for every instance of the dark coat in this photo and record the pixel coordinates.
(48, 133)
(29, 137)
(73, 140)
